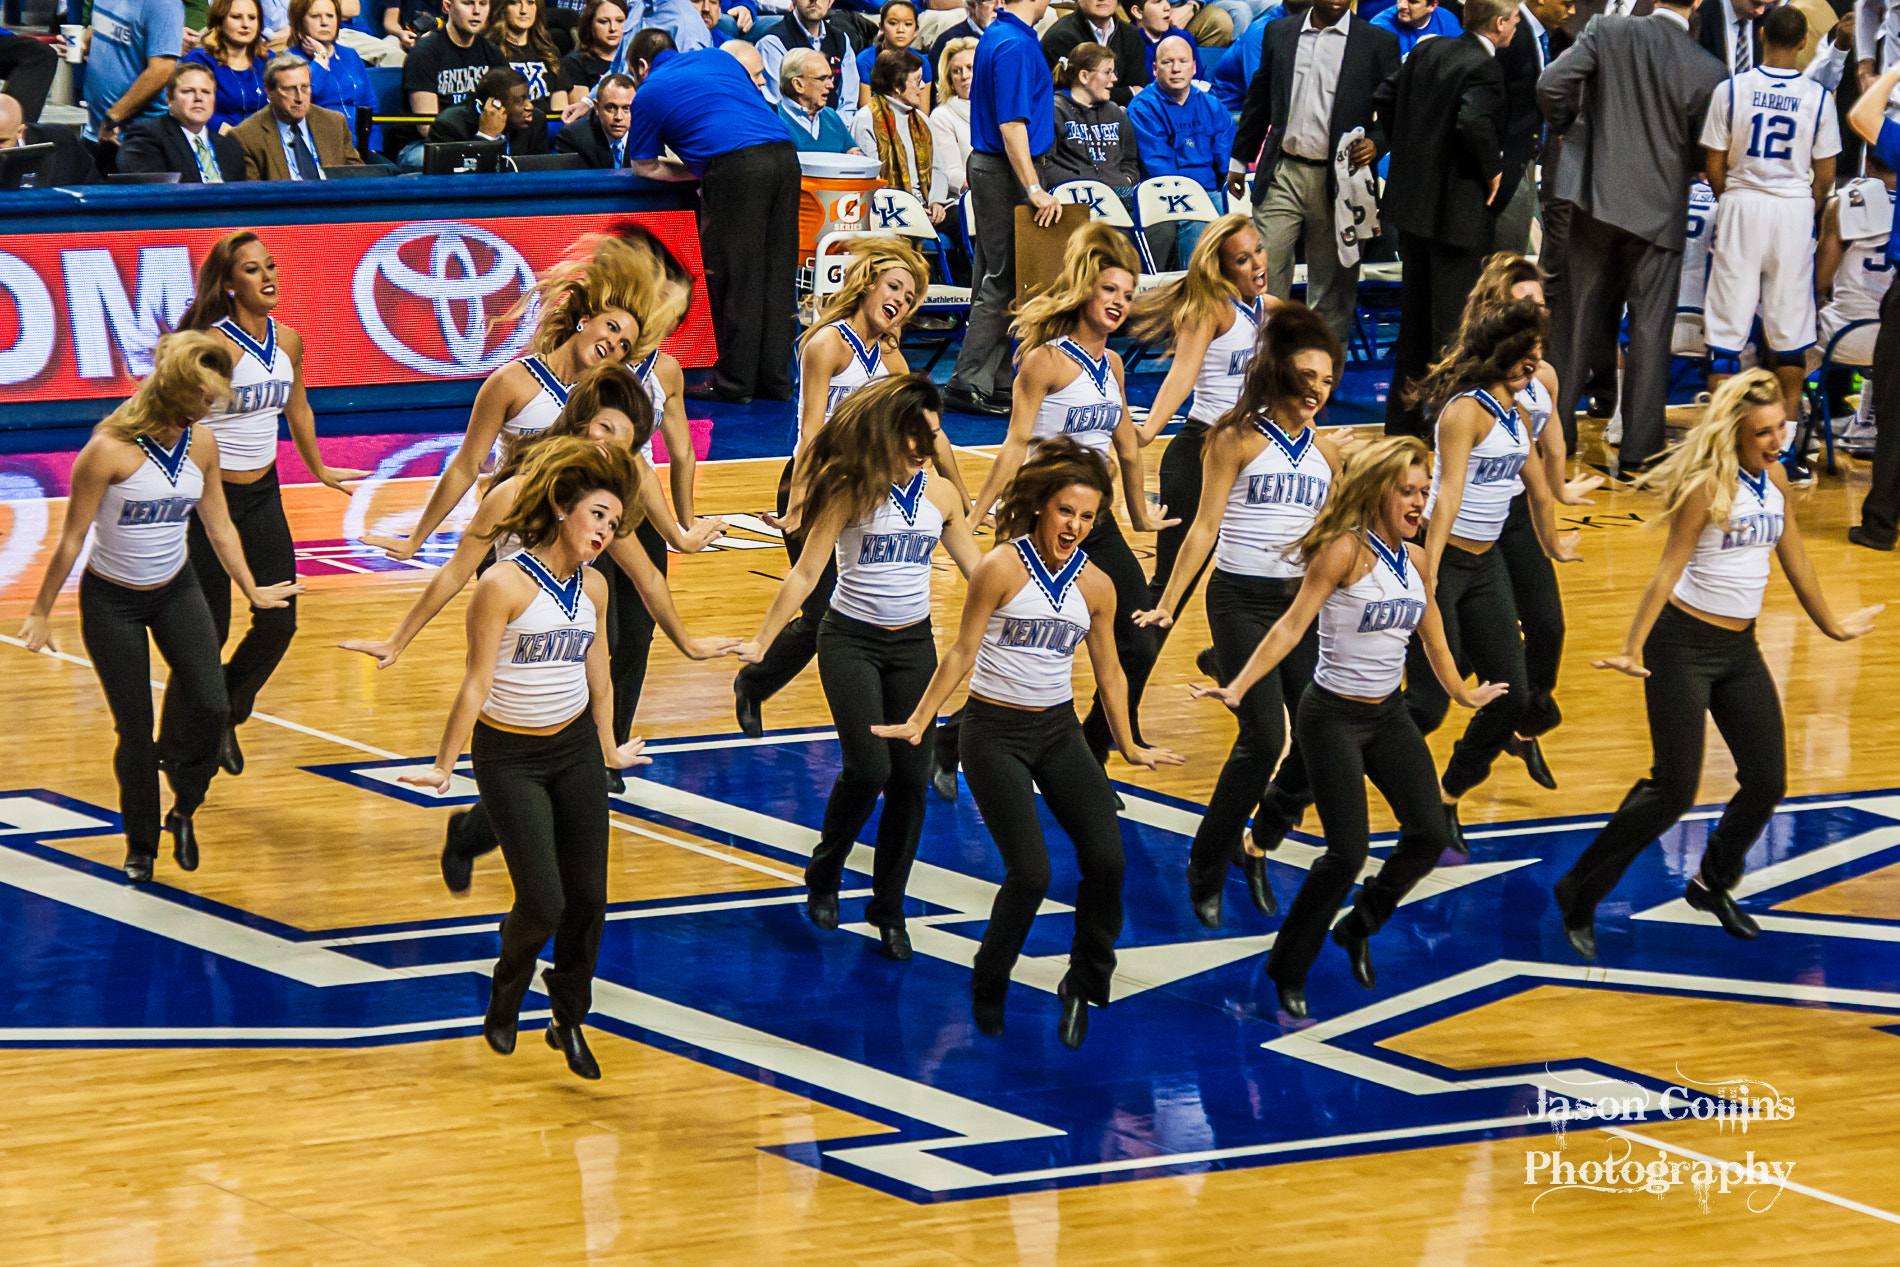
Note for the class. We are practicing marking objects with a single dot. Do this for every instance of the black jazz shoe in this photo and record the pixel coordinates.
(894, 941)
(1254, 867)
(822, 909)
(1074, 1025)
(498, 1025)
(1735, 921)
(230, 756)
(1207, 905)
(746, 709)
(458, 869)
(1579, 929)
(943, 781)
(138, 866)
(1459, 845)
(1350, 936)
(1292, 1000)
(1531, 753)
(986, 1009)
(567, 1040)
(1208, 663)
(184, 840)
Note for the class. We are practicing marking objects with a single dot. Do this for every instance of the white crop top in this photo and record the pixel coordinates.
(1272, 504)
(261, 382)
(1493, 472)
(648, 375)
(1027, 656)
(541, 665)
(884, 560)
(138, 533)
(1364, 627)
(544, 410)
(866, 364)
(1534, 402)
(1087, 410)
(1728, 570)
(1224, 368)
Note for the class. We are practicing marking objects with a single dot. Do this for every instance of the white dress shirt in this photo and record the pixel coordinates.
(204, 154)
(284, 133)
(1538, 36)
(1309, 119)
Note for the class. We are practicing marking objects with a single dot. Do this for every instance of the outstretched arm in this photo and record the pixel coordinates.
(92, 473)
(1220, 467)
(302, 421)
(485, 421)
(651, 584)
(1110, 682)
(1190, 349)
(999, 575)
(1325, 574)
(1793, 553)
(1684, 528)
(820, 541)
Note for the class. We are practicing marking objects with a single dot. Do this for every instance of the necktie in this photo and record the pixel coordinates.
(207, 161)
(1543, 44)
(1744, 54)
(620, 153)
(300, 154)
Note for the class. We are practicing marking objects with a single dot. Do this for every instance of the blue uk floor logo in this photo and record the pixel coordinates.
(1190, 1069)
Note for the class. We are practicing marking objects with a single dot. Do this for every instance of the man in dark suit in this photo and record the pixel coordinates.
(601, 137)
(1318, 73)
(292, 139)
(979, 15)
(1447, 108)
(500, 108)
(1630, 97)
(182, 139)
(68, 164)
(1540, 37)
(1731, 31)
(1094, 22)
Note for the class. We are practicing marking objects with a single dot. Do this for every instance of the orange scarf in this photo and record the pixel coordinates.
(890, 151)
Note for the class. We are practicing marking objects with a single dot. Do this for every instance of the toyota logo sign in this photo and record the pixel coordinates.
(467, 266)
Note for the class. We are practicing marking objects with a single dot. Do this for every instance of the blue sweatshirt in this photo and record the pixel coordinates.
(1192, 139)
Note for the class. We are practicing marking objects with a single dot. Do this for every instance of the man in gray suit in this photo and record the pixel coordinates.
(1630, 97)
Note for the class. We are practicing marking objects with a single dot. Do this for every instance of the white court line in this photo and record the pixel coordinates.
(643, 912)
(1845, 1203)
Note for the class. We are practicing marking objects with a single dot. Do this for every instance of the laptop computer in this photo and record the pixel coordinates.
(20, 166)
(452, 158)
(546, 162)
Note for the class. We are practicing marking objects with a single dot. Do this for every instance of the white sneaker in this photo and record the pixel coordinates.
(1613, 429)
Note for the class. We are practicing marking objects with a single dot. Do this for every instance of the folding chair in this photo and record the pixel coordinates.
(1163, 200)
(898, 211)
(1852, 346)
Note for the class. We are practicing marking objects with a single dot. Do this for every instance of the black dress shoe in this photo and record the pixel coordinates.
(746, 709)
(1207, 906)
(1579, 929)
(943, 782)
(1254, 867)
(1074, 1025)
(184, 840)
(1459, 845)
(822, 909)
(894, 941)
(458, 869)
(1531, 753)
(230, 756)
(964, 401)
(138, 866)
(1208, 663)
(616, 782)
(567, 1040)
(498, 1026)
(1292, 1000)
(986, 1009)
(1349, 935)
(1735, 921)
(709, 392)
(1861, 537)
(1268, 830)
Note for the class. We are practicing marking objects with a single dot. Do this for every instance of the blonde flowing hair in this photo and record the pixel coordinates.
(1201, 294)
(871, 259)
(1352, 508)
(1504, 271)
(1092, 251)
(962, 44)
(1707, 454)
(191, 372)
(613, 273)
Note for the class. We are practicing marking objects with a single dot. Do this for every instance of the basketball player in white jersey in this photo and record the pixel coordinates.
(1769, 144)
(854, 341)
(1266, 472)
(873, 513)
(236, 293)
(135, 486)
(1851, 277)
(1692, 642)
(538, 703)
(1033, 600)
(1368, 590)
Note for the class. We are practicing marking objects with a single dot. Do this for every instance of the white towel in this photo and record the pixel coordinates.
(1356, 205)
(1866, 210)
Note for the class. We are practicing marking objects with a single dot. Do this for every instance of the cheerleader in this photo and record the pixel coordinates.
(537, 698)
(135, 485)
(1030, 602)
(236, 294)
(1211, 317)
(1484, 449)
(1370, 591)
(1692, 641)
(854, 341)
(873, 512)
(1540, 609)
(607, 407)
(1265, 474)
(1069, 383)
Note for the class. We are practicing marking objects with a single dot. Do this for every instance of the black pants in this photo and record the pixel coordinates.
(1347, 742)
(1880, 513)
(983, 360)
(872, 677)
(630, 629)
(1480, 615)
(1438, 279)
(748, 234)
(797, 643)
(547, 797)
(257, 510)
(1598, 351)
(1012, 753)
(113, 621)
(1606, 268)
(1696, 671)
(1181, 494)
(28, 67)
(1240, 610)
(1540, 613)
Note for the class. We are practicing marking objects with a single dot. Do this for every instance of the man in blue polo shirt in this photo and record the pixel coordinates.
(135, 44)
(709, 108)
(1879, 524)
(1012, 121)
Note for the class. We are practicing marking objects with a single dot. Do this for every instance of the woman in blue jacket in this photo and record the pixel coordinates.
(235, 53)
(338, 79)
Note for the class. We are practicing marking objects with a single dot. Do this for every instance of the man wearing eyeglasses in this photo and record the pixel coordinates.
(805, 82)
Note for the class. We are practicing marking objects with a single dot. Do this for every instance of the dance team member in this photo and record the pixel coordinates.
(871, 511)
(1030, 603)
(537, 699)
(1265, 474)
(1370, 592)
(1692, 641)
(135, 486)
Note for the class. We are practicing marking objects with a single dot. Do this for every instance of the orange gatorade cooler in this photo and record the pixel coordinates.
(835, 194)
